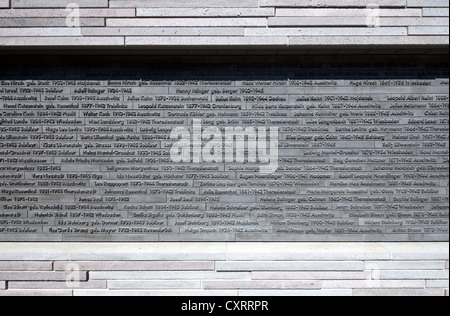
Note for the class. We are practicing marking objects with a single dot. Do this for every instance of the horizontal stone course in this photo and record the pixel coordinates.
(204, 12)
(26, 266)
(184, 4)
(137, 266)
(289, 265)
(58, 3)
(397, 292)
(62, 13)
(4, 3)
(312, 21)
(268, 269)
(331, 3)
(281, 285)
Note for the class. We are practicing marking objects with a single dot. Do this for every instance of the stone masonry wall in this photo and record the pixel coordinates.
(225, 269)
(224, 23)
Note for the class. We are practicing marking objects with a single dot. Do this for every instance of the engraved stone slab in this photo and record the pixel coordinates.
(142, 151)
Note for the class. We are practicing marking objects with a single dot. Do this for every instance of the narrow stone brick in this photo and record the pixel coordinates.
(397, 292)
(413, 275)
(320, 12)
(290, 266)
(49, 293)
(174, 275)
(372, 284)
(356, 21)
(322, 275)
(330, 3)
(96, 293)
(139, 266)
(153, 285)
(62, 13)
(327, 31)
(62, 41)
(282, 285)
(442, 284)
(187, 22)
(371, 40)
(42, 276)
(206, 41)
(96, 284)
(428, 30)
(184, 4)
(4, 3)
(405, 265)
(428, 3)
(265, 293)
(25, 266)
(204, 12)
(163, 31)
(58, 3)
(2, 285)
(45, 22)
(441, 12)
(42, 31)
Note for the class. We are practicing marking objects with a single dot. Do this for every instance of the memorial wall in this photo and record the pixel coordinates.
(231, 151)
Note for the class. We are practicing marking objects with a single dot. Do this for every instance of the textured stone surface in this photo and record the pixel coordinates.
(4, 3)
(418, 277)
(125, 20)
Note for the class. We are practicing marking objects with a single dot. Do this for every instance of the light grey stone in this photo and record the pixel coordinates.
(26, 266)
(155, 293)
(307, 251)
(2, 285)
(260, 285)
(27, 293)
(265, 293)
(4, 3)
(369, 40)
(153, 285)
(372, 284)
(138, 265)
(62, 13)
(98, 285)
(173, 275)
(324, 31)
(330, 3)
(428, 3)
(148, 252)
(61, 41)
(441, 12)
(412, 275)
(290, 266)
(322, 275)
(38, 32)
(184, 4)
(428, 30)
(187, 22)
(404, 265)
(41, 276)
(45, 22)
(395, 292)
(204, 12)
(346, 12)
(163, 31)
(58, 3)
(440, 284)
(356, 21)
(207, 41)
